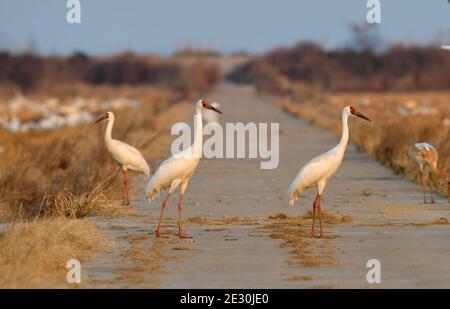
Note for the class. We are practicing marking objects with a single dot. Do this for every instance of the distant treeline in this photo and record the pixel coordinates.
(398, 68)
(29, 71)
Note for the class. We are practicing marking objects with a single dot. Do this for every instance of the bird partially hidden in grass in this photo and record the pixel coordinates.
(316, 172)
(176, 171)
(426, 157)
(128, 157)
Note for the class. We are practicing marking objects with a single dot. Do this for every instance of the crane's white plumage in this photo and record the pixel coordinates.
(125, 155)
(176, 171)
(128, 157)
(173, 172)
(316, 172)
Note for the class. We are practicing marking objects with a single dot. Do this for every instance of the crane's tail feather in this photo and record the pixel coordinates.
(151, 196)
(293, 196)
(152, 192)
(292, 201)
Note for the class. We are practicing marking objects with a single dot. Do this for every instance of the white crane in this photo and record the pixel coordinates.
(317, 171)
(126, 155)
(176, 171)
(426, 157)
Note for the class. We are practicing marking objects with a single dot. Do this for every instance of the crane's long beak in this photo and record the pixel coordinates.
(100, 119)
(362, 116)
(213, 109)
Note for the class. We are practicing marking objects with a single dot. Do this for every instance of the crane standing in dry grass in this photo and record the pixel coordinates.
(426, 157)
(126, 155)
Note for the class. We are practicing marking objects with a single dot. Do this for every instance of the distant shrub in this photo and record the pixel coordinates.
(398, 68)
(29, 71)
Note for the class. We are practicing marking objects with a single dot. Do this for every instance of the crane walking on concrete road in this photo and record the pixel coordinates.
(176, 171)
(317, 171)
(426, 157)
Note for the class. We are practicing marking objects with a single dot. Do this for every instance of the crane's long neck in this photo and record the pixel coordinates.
(198, 134)
(108, 131)
(344, 138)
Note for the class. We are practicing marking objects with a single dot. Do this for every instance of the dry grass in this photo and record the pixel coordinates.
(328, 218)
(395, 126)
(440, 221)
(68, 172)
(68, 202)
(34, 254)
(294, 232)
(49, 176)
(300, 278)
(226, 220)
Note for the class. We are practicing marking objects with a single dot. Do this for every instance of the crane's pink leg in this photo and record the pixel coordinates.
(422, 183)
(181, 234)
(313, 232)
(163, 206)
(126, 200)
(123, 187)
(320, 215)
(431, 183)
(432, 198)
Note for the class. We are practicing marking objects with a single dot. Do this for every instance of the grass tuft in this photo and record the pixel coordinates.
(34, 254)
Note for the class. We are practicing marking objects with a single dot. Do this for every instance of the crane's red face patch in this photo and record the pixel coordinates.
(204, 103)
(352, 110)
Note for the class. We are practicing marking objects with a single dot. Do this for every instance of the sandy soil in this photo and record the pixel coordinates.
(238, 242)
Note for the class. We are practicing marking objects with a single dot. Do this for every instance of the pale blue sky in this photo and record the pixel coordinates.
(228, 25)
